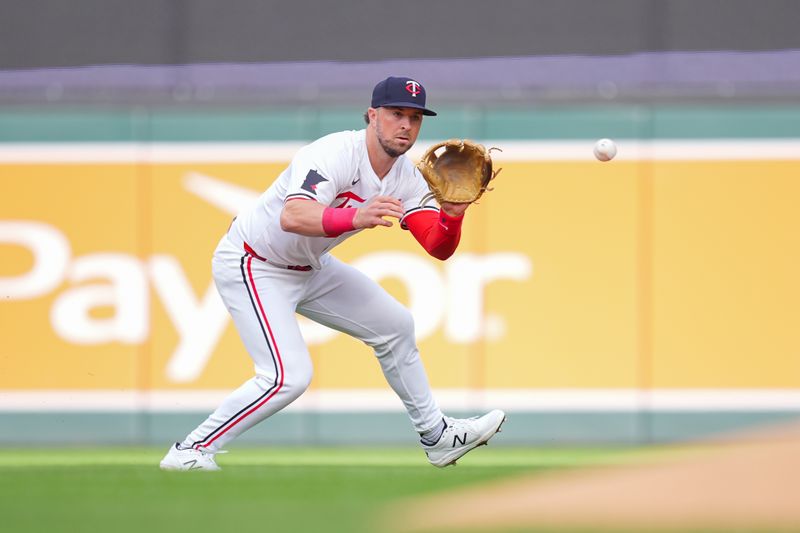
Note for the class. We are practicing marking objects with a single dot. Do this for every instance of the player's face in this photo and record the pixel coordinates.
(397, 128)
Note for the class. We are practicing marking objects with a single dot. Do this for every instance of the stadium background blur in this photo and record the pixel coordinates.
(650, 299)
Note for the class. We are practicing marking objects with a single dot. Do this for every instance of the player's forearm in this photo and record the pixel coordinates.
(439, 233)
(312, 219)
(303, 217)
(444, 248)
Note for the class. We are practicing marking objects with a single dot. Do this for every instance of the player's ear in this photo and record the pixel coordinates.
(372, 114)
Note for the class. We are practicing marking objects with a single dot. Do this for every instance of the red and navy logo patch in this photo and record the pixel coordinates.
(313, 179)
(413, 87)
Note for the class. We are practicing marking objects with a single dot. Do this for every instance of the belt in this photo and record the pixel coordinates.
(301, 268)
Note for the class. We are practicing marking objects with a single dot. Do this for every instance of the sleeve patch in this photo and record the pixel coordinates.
(313, 179)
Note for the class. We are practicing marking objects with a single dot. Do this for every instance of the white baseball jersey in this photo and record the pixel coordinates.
(266, 275)
(335, 171)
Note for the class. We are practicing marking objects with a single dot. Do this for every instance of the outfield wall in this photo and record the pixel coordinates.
(651, 298)
(153, 32)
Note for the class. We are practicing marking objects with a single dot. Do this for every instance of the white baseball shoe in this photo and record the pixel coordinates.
(462, 435)
(188, 459)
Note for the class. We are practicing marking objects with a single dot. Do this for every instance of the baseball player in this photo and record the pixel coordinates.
(275, 261)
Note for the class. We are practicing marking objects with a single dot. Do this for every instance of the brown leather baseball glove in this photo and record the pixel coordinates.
(458, 174)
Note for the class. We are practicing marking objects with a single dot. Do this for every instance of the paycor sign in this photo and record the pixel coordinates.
(450, 297)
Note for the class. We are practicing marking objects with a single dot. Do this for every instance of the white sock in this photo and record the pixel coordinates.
(432, 436)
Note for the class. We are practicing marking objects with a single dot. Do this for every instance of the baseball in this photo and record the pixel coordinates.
(605, 149)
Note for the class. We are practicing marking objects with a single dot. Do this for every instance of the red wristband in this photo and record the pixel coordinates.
(450, 225)
(336, 221)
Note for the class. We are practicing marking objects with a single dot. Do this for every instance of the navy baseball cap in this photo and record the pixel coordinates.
(400, 92)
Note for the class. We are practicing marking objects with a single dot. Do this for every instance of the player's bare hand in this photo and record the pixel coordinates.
(454, 210)
(372, 214)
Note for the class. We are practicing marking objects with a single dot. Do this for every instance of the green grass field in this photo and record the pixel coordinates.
(265, 490)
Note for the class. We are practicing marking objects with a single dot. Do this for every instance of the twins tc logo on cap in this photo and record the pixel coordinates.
(400, 92)
(413, 87)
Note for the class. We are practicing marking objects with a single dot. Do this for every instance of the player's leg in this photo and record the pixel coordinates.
(343, 298)
(261, 299)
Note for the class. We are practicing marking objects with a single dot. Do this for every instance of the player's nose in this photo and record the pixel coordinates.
(405, 122)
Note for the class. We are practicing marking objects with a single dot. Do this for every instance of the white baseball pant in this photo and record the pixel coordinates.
(262, 298)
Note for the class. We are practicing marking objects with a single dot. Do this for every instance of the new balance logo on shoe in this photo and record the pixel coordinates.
(461, 435)
(178, 458)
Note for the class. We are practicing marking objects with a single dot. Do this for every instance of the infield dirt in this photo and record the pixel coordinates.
(743, 482)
